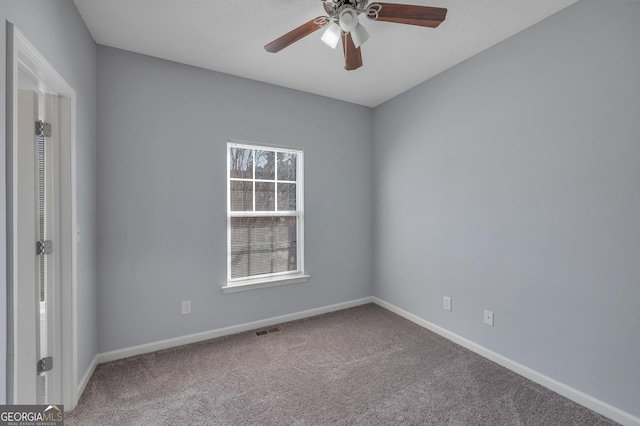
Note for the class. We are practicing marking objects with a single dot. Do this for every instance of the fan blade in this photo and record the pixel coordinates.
(352, 55)
(295, 35)
(423, 16)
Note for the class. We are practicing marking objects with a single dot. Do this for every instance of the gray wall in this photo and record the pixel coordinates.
(510, 183)
(58, 32)
(162, 132)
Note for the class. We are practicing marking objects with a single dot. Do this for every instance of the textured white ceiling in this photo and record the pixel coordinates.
(228, 36)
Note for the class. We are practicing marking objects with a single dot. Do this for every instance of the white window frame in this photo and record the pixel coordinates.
(278, 278)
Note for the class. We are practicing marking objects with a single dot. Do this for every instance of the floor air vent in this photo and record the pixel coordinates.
(268, 331)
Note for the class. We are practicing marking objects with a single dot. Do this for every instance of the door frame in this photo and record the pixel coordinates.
(22, 55)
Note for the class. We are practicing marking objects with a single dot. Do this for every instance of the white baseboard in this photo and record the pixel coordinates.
(83, 382)
(211, 334)
(573, 394)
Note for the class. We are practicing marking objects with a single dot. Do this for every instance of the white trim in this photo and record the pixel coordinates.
(85, 379)
(264, 283)
(247, 144)
(265, 213)
(25, 55)
(573, 394)
(234, 329)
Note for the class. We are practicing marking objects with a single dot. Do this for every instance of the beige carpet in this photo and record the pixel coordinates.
(360, 366)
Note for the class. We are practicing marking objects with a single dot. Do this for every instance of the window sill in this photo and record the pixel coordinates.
(263, 283)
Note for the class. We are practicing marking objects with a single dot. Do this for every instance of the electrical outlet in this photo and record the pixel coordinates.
(186, 307)
(446, 303)
(488, 317)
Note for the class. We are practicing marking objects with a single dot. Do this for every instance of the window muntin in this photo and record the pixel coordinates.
(264, 213)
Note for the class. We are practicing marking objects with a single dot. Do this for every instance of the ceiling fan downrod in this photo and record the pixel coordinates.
(333, 7)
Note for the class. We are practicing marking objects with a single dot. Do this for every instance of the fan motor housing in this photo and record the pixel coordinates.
(333, 6)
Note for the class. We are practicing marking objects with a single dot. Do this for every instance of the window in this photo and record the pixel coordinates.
(264, 216)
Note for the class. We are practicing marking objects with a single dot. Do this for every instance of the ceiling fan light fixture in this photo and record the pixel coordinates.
(359, 35)
(331, 35)
(341, 23)
(348, 19)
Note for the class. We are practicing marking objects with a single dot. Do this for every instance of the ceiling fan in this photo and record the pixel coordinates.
(343, 24)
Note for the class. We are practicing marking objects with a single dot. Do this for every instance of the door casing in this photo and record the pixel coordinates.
(22, 56)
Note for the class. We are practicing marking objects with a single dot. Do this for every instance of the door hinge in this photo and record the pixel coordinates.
(44, 247)
(45, 364)
(43, 129)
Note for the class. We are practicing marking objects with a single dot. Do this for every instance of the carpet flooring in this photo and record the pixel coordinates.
(360, 366)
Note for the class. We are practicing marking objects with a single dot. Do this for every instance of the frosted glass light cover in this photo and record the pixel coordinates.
(348, 20)
(331, 36)
(359, 35)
